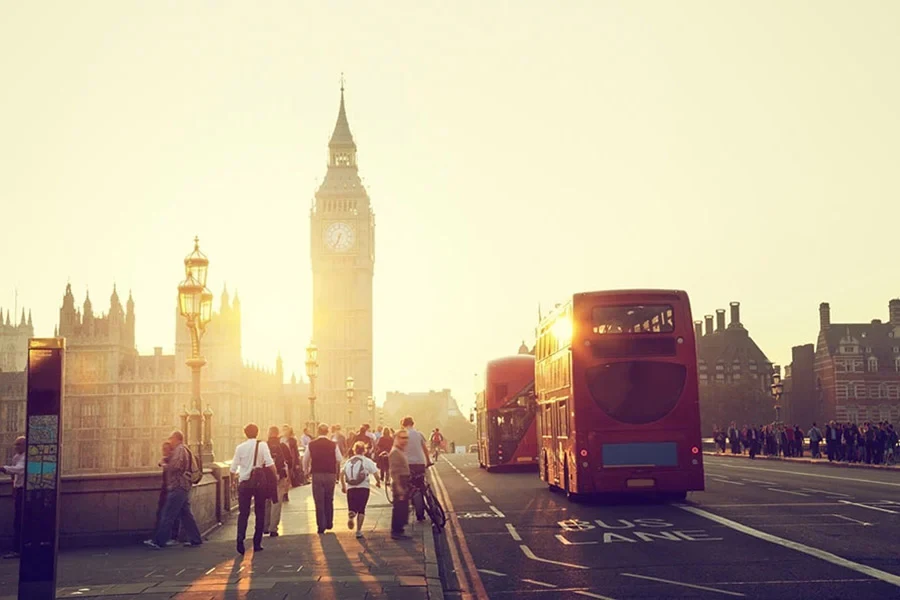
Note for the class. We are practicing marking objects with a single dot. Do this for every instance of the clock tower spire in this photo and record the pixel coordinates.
(342, 238)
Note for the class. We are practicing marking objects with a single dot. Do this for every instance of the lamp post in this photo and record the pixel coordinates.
(195, 304)
(350, 394)
(777, 390)
(312, 371)
(370, 404)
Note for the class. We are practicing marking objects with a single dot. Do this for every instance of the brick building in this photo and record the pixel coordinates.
(734, 373)
(857, 368)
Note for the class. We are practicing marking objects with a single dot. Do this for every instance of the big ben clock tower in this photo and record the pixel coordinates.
(342, 234)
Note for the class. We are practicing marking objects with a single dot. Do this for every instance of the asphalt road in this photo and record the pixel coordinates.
(760, 530)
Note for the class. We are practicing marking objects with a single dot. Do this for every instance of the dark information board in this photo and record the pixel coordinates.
(40, 526)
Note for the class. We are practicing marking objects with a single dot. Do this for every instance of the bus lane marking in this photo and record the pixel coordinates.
(633, 531)
(788, 492)
(529, 554)
(852, 519)
(760, 481)
(497, 511)
(717, 480)
(893, 512)
(826, 492)
(687, 585)
(592, 595)
(796, 546)
(489, 572)
(512, 531)
(540, 583)
(479, 491)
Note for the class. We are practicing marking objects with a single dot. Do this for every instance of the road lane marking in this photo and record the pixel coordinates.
(682, 584)
(470, 483)
(489, 572)
(592, 595)
(893, 512)
(540, 583)
(851, 519)
(803, 548)
(788, 492)
(497, 512)
(529, 554)
(512, 531)
(485, 498)
(769, 505)
(826, 492)
(817, 475)
(727, 481)
(479, 491)
(566, 542)
(210, 571)
(760, 481)
(794, 581)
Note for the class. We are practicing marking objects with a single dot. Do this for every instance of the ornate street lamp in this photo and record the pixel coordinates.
(312, 371)
(195, 304)
(777, 390)
(370, 404)
(350, 394)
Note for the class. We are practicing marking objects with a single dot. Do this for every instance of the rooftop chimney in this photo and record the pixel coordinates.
(894, 311)
(735, 315)
(698, 329)
(824, 316)
(709, 324)
(720, 319)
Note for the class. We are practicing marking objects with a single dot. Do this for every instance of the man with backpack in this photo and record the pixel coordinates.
(182, 471)
(355, 483)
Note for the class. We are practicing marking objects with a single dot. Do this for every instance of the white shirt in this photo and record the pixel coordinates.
(305, 440)
(17, 470)
(352, 467)
(415, 451)
(243, 458)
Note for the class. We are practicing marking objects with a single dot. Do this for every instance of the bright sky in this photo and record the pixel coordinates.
(515, 152)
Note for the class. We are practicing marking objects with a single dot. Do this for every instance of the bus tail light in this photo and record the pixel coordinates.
(583, 453)
(695, 450)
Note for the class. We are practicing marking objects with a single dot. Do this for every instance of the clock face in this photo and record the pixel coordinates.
(340, 237)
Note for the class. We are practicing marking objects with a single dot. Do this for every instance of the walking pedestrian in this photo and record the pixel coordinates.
(323, 460)
(399, 471)
(417, 455)
(178, 472)
(249, 456)
(164, 493)
(382, 449)
(17, 470)
(281, 456)
(355, 483)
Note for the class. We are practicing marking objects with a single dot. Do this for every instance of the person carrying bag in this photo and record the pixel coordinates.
(256, 483)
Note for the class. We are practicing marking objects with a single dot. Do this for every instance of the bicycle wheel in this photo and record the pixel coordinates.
(434, 509)
(389, 493)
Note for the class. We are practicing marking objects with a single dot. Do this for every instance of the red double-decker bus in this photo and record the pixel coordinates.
(505, 413)
(618, 402)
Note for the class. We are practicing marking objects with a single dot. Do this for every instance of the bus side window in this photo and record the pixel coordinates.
(563, 419)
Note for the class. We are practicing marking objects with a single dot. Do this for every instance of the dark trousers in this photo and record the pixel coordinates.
(323, 497)
(814, 448)
(247, 494)
(400, 512)
(176, 526)
(177, 506)
(418, 472)
(19, 501)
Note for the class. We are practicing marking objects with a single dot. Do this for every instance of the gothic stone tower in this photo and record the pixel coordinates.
(342, 237)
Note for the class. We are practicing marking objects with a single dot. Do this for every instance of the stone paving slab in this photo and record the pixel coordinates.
(298, 563)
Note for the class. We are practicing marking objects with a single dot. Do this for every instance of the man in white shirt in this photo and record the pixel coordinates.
(417, 455)
(17, 470)
(355, 483)
(249, 455)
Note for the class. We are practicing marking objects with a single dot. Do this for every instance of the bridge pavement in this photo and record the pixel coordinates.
(761, 529)
(297, 564)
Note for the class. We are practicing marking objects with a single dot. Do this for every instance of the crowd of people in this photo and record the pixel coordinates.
(265, 471)
(870, 443)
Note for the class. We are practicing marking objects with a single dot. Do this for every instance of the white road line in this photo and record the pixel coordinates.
(210, 571)
(479, 491)
(801, 473)
(826, 492)
(788, 492)
(566, 542)
(794, 581)
(541, 583)
(485, 498)
(512, 531)
(760, 481)
(893, 512)
(687, 585)
(592, 595)
(771, 505)
(727, 481)
(803, 548)
(852, 519)
(494, 573)
(529, 554)
(470, 483)
(497, 512)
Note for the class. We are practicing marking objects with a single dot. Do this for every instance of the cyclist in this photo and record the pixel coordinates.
(417, 455)
(437, 443)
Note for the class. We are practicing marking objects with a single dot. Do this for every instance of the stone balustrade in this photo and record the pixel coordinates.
(120, 508)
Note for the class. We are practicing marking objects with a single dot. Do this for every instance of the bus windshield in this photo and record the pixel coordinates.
(636, 392)
(510, 424)
(649, 318)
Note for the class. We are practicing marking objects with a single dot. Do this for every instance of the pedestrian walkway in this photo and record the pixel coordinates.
(299, 563)
(806, 460)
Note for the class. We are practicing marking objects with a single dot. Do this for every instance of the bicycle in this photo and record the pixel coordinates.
(421, 487)
(435, 453)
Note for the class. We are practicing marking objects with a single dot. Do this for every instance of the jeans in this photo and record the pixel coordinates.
(258, 496)
(414, 472)
(19, 501)
(176, 526)
(323, 497)
(177, 506)
(273, 510)
(400, 512)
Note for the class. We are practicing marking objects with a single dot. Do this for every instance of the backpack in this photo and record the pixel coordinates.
(195, 469)
(361, 476)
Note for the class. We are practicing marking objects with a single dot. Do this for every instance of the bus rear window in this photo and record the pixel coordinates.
(647, 318)
(636, 392)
